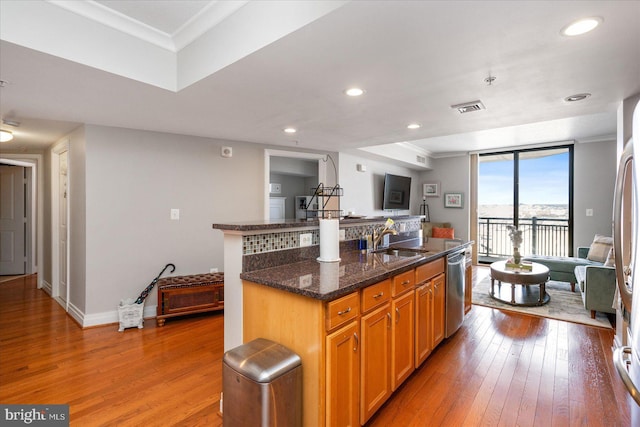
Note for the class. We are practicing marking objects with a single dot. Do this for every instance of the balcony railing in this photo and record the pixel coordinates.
(540, 236)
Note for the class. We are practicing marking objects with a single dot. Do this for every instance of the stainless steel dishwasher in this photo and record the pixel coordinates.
(454, 312)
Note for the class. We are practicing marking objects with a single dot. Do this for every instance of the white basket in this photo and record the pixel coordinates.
(130, 314)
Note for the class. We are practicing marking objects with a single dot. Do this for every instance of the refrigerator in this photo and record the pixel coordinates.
(626, 238)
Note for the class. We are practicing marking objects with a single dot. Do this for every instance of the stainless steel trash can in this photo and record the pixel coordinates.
(262, 385)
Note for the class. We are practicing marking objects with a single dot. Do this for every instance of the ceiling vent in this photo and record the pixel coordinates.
(468, 107)
(421, 159)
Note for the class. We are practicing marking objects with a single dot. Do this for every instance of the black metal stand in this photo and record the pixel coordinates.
(424, 210)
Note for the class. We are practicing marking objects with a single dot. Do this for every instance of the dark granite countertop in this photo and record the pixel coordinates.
(299, 223)
(330, 280)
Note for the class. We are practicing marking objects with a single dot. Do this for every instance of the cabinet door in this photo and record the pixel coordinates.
(424, 322)
(375, 367)
(438, 309)
(402, 338)
(343, 376)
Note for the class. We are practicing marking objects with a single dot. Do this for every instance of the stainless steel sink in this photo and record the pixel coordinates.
(398, 252)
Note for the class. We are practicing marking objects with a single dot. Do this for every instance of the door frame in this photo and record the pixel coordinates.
(34, 211)
(55, 220)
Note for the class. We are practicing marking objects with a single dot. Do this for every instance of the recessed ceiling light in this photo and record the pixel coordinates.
(413, 126)
(5, 136)
(289, 130)
(354, 91)
(581, 26)
(577, 97)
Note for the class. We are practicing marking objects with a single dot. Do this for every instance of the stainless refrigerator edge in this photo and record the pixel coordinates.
(626, 237)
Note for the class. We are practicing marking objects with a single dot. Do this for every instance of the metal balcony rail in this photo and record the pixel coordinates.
(540, 236)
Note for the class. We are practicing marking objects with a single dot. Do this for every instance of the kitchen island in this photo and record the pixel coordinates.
(361, 326)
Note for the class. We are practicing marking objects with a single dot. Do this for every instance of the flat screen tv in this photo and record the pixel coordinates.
(396, 192)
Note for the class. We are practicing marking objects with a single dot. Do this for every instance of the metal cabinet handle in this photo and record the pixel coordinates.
(355, 337)
(406, 282)
(389, 318)
(621, 360)
(397, 314)
(340, 313)
(378, 295)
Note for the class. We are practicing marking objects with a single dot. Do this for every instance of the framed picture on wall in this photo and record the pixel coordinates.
(453, 200)
(431, 189)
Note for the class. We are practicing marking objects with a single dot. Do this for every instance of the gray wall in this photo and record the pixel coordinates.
(133, 179)
(595, 169)
(124, 182)
(453, 175)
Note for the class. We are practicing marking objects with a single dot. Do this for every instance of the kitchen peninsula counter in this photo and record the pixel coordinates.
(328, 281)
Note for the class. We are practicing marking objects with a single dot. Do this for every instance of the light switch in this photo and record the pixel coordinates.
(589, 212)
(175, 214)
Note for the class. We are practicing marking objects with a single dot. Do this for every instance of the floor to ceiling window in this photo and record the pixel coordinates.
(531, 189)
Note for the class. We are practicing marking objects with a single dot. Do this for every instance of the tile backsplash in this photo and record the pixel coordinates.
(277, 241)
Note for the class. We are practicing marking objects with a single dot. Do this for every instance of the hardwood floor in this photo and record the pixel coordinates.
(499, 369)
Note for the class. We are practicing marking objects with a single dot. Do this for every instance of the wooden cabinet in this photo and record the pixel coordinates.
(430, 309)
(343, 376)
(375, 367)
(424, 307)
(438, 283)
(355, 350)
(402, 338)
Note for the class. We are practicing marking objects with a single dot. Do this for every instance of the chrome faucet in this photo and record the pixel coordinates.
(378, 234)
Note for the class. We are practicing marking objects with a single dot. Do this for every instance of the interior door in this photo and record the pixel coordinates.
(12, 220)
(62, 226)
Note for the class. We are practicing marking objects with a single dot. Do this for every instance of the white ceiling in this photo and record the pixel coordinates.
(244, 70)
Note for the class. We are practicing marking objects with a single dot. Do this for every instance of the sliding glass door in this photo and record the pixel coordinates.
(531, 189)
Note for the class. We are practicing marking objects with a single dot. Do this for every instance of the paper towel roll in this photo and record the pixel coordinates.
(329, 241)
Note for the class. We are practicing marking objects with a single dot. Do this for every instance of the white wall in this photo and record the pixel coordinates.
(363, 190)
(133, 179)
(77, 190)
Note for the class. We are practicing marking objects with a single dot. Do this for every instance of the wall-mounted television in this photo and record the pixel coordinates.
(396, 192)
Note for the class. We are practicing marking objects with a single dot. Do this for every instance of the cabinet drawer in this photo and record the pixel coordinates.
(375, 295)
(403, 282)
(342, 310)
(429, 270)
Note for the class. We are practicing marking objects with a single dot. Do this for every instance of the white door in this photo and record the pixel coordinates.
(12, 220)
(62, 227)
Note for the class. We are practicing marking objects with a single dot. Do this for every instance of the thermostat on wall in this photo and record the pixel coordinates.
(275, 188)
(226, 152)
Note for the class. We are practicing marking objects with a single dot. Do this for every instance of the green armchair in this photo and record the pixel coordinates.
(597, 284)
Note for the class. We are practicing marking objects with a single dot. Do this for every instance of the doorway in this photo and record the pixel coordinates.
(13, 220)
(32, 207)
(284, 164)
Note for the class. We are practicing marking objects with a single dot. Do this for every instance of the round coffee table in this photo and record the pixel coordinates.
(525, 294)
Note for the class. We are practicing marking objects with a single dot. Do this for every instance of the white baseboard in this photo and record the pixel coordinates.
(76, 313)
(46, 286)
(110, 317)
